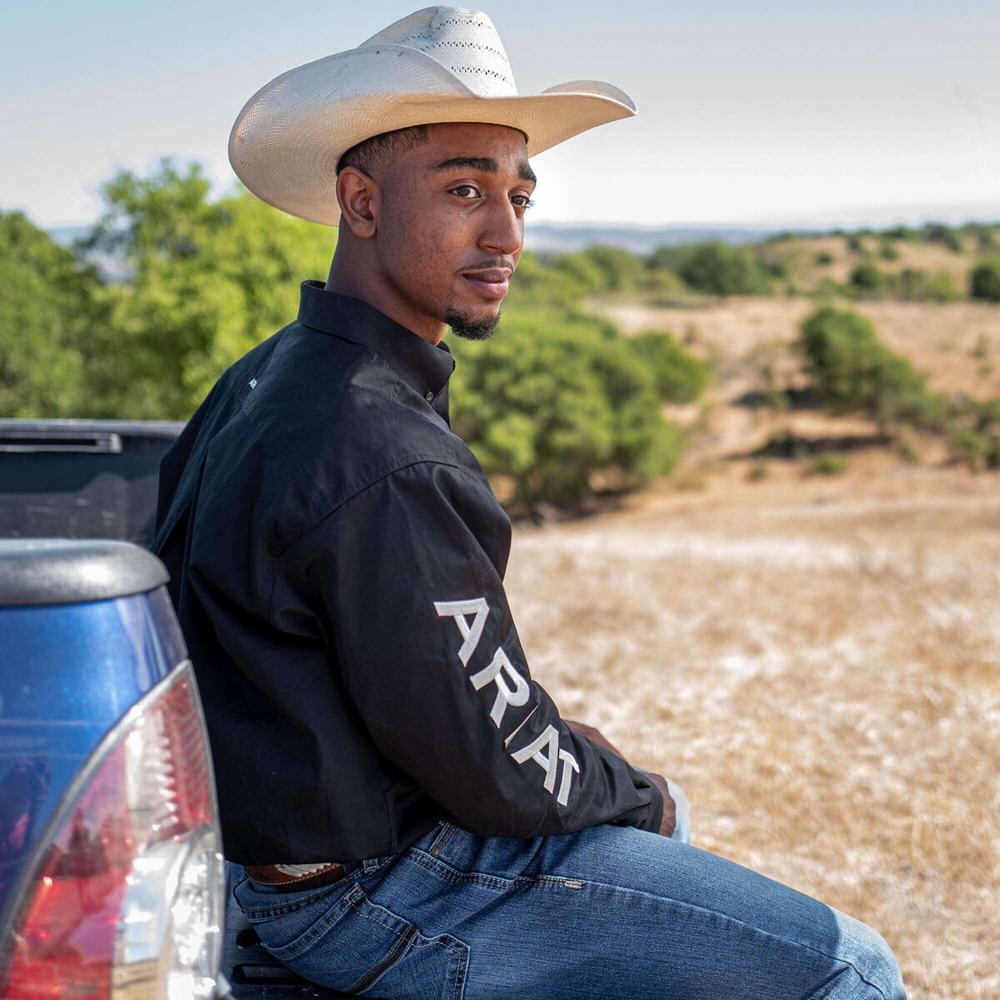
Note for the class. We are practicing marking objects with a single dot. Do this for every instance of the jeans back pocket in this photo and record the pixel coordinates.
(351, 944)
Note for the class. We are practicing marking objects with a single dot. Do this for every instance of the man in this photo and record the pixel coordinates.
(413, 816)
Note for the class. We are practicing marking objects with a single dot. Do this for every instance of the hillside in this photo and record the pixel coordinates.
(749, 341)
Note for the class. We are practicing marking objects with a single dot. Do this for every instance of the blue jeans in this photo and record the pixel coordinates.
(610, 912)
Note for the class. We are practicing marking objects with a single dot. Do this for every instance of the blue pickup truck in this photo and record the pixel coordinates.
(112, 882)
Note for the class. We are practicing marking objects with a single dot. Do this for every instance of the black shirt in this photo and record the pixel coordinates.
(336, 558)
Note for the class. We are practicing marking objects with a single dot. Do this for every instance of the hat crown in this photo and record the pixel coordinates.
(463, 41)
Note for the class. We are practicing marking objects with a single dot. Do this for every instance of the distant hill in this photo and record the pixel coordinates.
(554, 237)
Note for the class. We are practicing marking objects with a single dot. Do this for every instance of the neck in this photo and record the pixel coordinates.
(366, 283)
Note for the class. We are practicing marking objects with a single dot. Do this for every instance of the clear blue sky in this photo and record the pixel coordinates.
(776, 112)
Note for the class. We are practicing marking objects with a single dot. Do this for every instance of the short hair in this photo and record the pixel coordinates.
(375, 152)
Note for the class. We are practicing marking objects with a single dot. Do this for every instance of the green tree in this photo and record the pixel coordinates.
(618, 270)
(208, 280)
(47, 316)
(853, 370)
(585, 273)
(984, 282)
(556, 399)
(679, 376)
(719, 269)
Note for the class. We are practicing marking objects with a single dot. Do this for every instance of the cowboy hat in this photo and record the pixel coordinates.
(440, 64)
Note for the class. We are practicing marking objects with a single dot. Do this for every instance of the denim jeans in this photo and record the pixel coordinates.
(610, 912)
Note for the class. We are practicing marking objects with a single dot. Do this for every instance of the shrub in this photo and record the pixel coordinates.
(970, 447)
(823, 258)
(919, 286)
(556, 400)
(679, 376)
(827, 465)
(773, 264)
(984, 282)
(887, 251)
(986, 239)
(720, 269)
(937, 232)
(559, 283)
(619, 270)
(866, 277)
(853, 370)
(582, 270)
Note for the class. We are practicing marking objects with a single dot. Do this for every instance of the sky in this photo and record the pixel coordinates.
(770, 113)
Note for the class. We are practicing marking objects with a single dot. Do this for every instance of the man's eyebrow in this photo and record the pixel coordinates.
(484, 163)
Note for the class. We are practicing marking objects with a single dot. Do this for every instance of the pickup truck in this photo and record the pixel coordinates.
(112, 880)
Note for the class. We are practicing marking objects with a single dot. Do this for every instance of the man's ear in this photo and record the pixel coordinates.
(358, 196)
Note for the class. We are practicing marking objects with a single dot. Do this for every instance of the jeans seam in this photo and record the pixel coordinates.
(847, 965)
(392, 958)
(460, 959)
(232, 890)
(459, 951)
(817, 993)
(279, 911)
(446, 871)
(493, 882)
(375, 919)
(321, 926)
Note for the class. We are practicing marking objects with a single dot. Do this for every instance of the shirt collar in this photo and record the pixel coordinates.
(425, 368)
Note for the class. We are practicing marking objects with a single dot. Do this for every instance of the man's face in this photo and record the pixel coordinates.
(451, 224)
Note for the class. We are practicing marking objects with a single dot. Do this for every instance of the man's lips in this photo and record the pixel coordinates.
(492, 283)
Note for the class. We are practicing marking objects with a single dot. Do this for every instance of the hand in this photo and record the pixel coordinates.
(669, 821)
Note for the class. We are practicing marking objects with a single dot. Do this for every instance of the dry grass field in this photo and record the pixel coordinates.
(811, 259)
(816, 659)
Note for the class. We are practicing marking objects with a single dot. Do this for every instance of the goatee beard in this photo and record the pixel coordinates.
(472, 329)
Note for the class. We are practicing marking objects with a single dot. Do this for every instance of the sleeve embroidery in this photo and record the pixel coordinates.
(512, 689)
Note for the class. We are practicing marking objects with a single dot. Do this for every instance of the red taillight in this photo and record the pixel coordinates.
(127, 899)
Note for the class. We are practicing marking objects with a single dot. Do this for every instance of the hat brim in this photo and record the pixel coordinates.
(289, 137)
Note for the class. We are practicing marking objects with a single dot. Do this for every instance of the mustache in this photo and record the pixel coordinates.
(491, 263)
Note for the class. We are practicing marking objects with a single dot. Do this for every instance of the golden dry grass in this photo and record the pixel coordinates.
(819, 666)
(817, 660)
(954, 344)
(801, 256)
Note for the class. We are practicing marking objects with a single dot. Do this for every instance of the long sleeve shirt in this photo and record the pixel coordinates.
(337, 560)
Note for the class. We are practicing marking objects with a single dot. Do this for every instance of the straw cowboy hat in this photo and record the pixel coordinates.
(440, 64)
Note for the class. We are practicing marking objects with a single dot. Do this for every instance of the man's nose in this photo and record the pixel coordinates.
(504, 231)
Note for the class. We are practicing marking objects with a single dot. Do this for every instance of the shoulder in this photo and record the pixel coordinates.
(330, 418)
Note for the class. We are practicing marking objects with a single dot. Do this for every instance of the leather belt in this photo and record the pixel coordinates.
(292, 878)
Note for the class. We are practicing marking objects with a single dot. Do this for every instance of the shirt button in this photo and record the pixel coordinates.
(429, 396)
